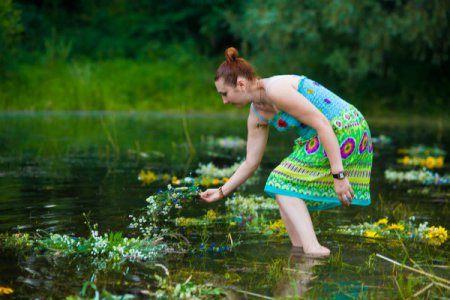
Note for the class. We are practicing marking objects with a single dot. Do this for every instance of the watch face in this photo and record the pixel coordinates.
(341, 175)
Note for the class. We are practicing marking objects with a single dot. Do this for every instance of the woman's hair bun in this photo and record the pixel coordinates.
(231, 54)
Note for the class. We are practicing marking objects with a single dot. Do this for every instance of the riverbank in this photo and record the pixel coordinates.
(166, 85)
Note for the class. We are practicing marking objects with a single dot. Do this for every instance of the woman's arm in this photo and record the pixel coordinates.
(256, 144)
(286, 98)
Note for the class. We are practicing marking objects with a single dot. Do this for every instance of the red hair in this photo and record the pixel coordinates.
(233, 67)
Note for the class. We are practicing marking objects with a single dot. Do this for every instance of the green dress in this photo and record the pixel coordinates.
(306, 172)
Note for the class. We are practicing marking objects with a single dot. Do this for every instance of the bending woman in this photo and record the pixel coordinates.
(331, 160)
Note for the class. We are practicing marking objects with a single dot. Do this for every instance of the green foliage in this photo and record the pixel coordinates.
(382, 56)
(10, 28)
(368, 49)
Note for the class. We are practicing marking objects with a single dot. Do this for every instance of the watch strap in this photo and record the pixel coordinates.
(340, 175)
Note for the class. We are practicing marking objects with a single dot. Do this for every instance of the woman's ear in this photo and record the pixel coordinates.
(241, 83)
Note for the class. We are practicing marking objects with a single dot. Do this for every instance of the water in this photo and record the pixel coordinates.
(56, 166)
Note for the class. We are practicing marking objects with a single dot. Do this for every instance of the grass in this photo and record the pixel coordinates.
(113, 85)
(177, 82)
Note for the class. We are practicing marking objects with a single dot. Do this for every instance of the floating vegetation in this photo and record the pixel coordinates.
(5, 291)
(90, 291)
(107, 250)
(250, 205)
(165, 288)
(227, 143)
(381, 140)
(422, 151)
(429, 157)
(208, 175)
(417, 176)
(407, 284)
(107, 247)
(429, 162)
(402, 230)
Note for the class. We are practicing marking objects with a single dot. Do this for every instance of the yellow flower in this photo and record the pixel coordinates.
(211, 215)
(165, 178)
(205, 181)
(399, 227)
(5, 290)
(146, 177)
(383, 221)
(430, 162)
(436, 236)
(181, 221)
(215, 181)
(440, 162)
(406, 160)
(371, 234)
(225, 179)
(278, 227)
(175, 180)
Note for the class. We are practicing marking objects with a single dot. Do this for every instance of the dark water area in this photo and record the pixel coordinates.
(56, 166)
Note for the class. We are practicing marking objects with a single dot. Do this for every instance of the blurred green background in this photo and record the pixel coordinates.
(386, 57)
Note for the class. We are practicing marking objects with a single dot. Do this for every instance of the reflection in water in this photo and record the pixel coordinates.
(298, 276)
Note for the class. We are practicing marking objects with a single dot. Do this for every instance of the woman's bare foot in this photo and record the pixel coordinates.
(319, 251)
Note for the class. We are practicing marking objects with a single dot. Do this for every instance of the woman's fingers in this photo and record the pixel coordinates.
(349, 197)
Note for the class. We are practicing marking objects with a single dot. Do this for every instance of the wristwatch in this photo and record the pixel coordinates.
(341, 175)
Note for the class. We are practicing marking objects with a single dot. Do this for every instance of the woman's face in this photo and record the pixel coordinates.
(236, 96)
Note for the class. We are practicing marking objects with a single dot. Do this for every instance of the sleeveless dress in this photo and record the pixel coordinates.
(306, 172)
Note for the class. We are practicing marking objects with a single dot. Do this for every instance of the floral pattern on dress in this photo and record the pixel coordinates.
(312, 146)
(363, 143)
(347, 147)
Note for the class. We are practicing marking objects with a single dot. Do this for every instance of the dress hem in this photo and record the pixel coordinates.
(271, 191)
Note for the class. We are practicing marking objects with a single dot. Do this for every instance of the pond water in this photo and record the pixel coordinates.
(56, 166)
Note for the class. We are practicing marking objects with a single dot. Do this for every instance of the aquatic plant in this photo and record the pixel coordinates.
(209, 171)
(147, 177)
(421, 282)
(276, 228)
(381, 140)
(227, 142)
(402, 230)
(18, 242)
(167, 289)
(422, 151)
(90, 291)
(429, 162)
(107, 247)
(249, 204)
(417, 176)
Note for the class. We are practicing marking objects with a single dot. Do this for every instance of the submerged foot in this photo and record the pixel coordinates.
(319, 251)
(295, 250)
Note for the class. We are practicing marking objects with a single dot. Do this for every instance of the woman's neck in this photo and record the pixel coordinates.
(259, 92)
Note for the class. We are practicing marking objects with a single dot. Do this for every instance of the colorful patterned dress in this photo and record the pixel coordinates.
(306, 172)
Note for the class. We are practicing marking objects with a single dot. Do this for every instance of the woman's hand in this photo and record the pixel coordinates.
(211, 195)
(344, 191)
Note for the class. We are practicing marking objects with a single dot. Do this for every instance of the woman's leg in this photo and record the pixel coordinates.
(297, 213)
(293, 235)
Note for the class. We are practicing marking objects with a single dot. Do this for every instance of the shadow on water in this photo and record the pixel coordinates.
(56, 166)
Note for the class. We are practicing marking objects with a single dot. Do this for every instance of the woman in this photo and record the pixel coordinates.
(332, 154)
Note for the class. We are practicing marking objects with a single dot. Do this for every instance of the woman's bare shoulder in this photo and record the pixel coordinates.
(281, 81)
